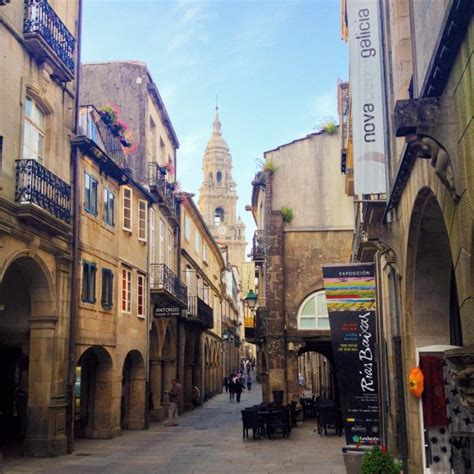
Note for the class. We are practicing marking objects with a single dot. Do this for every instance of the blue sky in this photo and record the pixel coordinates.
(273, 64)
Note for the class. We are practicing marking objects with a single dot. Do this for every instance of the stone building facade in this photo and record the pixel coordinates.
(127, 87)
(289, 251)
(420, 237)
(200, 332)
(38, 46)
(112, 321)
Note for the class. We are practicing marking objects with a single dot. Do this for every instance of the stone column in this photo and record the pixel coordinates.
(46, 430)
(155, 382)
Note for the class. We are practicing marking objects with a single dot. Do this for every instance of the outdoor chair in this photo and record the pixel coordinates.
(250, 421)
(309, 410)
(278, 421)
(328, 416)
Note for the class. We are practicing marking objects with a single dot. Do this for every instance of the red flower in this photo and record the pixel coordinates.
(383, 449)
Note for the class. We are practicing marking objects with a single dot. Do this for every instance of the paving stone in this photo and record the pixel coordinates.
(208, 440)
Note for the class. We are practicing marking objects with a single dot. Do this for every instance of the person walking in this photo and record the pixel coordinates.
(239, 386)
(232, 379)
(173, 395)
(249, 381)
(226, 384)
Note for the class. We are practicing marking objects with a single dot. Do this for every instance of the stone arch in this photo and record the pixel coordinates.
(94, 394)
(132, 405)
(219, 215)
(28, 346)
(431, 290)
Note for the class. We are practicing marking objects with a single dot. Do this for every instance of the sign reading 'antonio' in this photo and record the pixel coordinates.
(350, 295)
(166, 312)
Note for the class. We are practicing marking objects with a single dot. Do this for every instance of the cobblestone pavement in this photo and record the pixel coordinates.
(208, 440)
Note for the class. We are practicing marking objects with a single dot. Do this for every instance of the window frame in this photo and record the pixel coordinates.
(126, 290)
(170, 248)
(187, 227)
(152, 236)
(89, 206)
(142, 220)
(107, 292)
(161, 241)
(108, 207)
(88, 291)
(197, 242)
(204, 252)
(35, 127)
(141, 305)
(316, 317)
(126, 189)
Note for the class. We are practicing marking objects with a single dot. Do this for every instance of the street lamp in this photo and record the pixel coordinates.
(251, 300)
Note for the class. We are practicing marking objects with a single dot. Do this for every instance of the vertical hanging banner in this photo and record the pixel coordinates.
(350, 296)
(365, 76)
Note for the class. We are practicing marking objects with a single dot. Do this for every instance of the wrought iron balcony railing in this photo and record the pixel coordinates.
(95, 129)
(258, 246)
(162, 278)
(165, 190)
(37, 185)
(47, 35)
(200, 310)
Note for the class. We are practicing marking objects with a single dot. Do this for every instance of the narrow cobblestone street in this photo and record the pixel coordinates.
(208, 440)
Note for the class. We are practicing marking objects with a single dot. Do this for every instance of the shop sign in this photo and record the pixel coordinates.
(350, 296)
(365, 75)
(166, 312)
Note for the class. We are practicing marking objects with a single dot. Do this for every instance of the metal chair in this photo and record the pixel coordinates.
(250, 422)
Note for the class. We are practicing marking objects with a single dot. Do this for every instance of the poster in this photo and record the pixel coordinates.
(350, 295)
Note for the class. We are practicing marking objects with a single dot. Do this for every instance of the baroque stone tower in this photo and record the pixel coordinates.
(218, 198)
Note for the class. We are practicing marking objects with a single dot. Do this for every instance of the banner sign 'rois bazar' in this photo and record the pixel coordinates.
(350, 296)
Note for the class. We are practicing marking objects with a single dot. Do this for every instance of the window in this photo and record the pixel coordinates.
(33, 131)
(205, 295)
(197, 242)
(218, 216)
(188, 275)
(161, 242)
(88, 282)
(127, 209)
(170, 248)
(126, 291)
(152, 235)
(219, 177)
(162, 152)
(142, 218)
(204, 251)
(90, 194)
(109, 207)
(187, 227)
(153, 140)
(140, 296)
(313, 312)
(200, 286)
(106, 298)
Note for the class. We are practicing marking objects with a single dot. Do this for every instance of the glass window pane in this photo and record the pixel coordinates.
(323, 323)
(322, 306)
(28, 107)
(309, 308)
(307, 323)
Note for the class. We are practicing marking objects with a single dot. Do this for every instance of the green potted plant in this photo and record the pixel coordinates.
(378, 460)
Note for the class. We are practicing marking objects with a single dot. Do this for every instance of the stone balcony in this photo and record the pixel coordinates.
(48, 38)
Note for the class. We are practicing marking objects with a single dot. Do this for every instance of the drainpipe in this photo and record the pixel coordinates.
(178, 272)
(75, 253)
(148, 325)
(397, 349)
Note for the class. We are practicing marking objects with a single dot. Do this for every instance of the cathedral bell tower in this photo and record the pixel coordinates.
(218, 197)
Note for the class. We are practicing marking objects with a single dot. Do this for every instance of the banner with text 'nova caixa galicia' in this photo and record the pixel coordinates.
(350, 296)
(365, 76)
